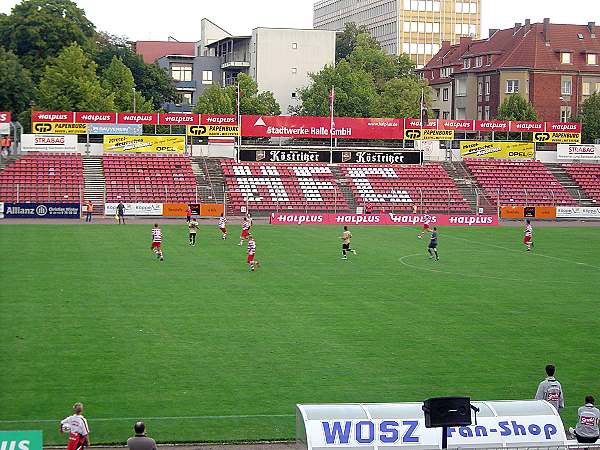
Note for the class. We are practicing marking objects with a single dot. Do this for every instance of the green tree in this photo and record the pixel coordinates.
(346, 41)
(117, 78)
(215, 100)
(37, 30)
(70, 83)
(401, 97)
(219, 100)
(154, 83)
(16, 87)
(355, 93)
(590, 118)
(516, 107)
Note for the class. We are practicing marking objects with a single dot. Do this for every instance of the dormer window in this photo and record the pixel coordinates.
(489, 60)
(565, 57)
(479, 61)
(591, 59)
(467, 63)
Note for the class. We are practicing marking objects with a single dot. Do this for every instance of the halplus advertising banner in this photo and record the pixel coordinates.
(318, 127)
(144, 144)
(21, 440)
(96, 117)
(578, 152)
(445, 220)
(48, 143)
(5, 116)
(497, 149)
(42, 210)
(395, 433)
(115, 129)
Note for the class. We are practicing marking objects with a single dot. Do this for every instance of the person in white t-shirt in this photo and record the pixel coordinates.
(77, 427)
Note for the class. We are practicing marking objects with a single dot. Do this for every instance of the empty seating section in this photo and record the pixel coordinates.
(518, 182)
(588, 177)
(149, 179)
(43, 177)
(398, 188)
(282, 186)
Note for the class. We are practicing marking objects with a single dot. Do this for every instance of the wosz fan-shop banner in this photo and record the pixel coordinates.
(443, 220)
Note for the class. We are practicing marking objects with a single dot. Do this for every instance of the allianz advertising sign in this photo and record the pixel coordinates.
(21, 440)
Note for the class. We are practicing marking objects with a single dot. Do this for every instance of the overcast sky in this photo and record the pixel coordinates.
(158, 19)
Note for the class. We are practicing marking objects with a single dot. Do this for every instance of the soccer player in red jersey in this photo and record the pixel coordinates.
(156, 242)
(528, 239)
(252, 263)
(77, 427)
(426, 222)
(223, 225)
(246, 224)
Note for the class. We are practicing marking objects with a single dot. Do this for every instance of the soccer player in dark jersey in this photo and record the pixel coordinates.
(433, 242)
(193, 228)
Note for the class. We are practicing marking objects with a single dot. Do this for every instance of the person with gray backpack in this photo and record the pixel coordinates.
(588, 417)
(551, 390)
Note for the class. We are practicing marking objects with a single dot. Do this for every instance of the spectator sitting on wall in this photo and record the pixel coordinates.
(587, 430)
(140, 441)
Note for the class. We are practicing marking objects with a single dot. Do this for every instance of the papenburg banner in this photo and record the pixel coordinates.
(318, 127)
(59, 128)
(557, 137)
(42, 210)
(144, 144)
(442, 220)
(498, 149)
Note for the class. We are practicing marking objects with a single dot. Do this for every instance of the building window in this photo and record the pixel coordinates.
(598, 88)
(445, 94)
(437, 94)
(446, 115)
(445, 72)
(480, 88)
(294, 45)
(512, 86)
(486, 113)
(461, 88)
(207, 77)
(479, 61)
(586, 88)
(565, 58)
(184, 98)
(565, 113)
(294, 94)
(479, 113)
(467, 63)
(566, 86)
(487, 85)
(489, 60)
(592, 59)
(181, 72)
(294, 70)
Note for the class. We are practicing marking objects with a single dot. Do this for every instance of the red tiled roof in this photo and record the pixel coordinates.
(150, 51)
(524, 48)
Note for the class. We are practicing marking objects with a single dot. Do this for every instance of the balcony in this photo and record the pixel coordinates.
(188, 85)
(235, 65)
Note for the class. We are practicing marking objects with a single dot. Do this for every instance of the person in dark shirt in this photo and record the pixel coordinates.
(433, 242)
(121, 213)
(140, 441)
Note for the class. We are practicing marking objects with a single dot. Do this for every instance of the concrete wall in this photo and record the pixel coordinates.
(274, 59)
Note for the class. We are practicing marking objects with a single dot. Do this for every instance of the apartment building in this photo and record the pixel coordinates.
(555, 66)
(414, 27)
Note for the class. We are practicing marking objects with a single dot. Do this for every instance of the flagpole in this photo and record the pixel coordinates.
(239, 121)
(331, 112)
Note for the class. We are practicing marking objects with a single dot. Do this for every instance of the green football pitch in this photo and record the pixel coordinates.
(204, 350)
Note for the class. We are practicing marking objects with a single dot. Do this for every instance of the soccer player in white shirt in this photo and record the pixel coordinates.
(77, 427)
(246, 224)
(252, 263)
(223, 225)
(157, 242)
(528, 239)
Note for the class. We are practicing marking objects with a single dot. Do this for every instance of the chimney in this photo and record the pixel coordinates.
(527, 23)
(445, 45)
(465, 40)
(492, 31)
(546, 31)
(516, 28)
(592, 28)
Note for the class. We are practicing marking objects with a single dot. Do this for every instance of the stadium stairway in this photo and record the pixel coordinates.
(342, 183)
(576, 191)
(465, 184)
(209, 178)
(94, 182)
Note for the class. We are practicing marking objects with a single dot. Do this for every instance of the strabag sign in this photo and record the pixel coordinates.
(580, 152)
(393, 432)
(49, 143)
(135, 209)
(446, 220)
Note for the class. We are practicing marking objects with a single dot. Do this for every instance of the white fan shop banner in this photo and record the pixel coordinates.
(578, 212)
(538, 430)
(135, 209)
(578, 152)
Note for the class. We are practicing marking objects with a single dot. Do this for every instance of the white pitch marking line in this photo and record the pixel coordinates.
(109, 419)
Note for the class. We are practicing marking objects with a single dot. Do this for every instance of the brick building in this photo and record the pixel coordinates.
(554, 66)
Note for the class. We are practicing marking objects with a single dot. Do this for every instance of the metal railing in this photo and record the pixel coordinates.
(41, 193)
